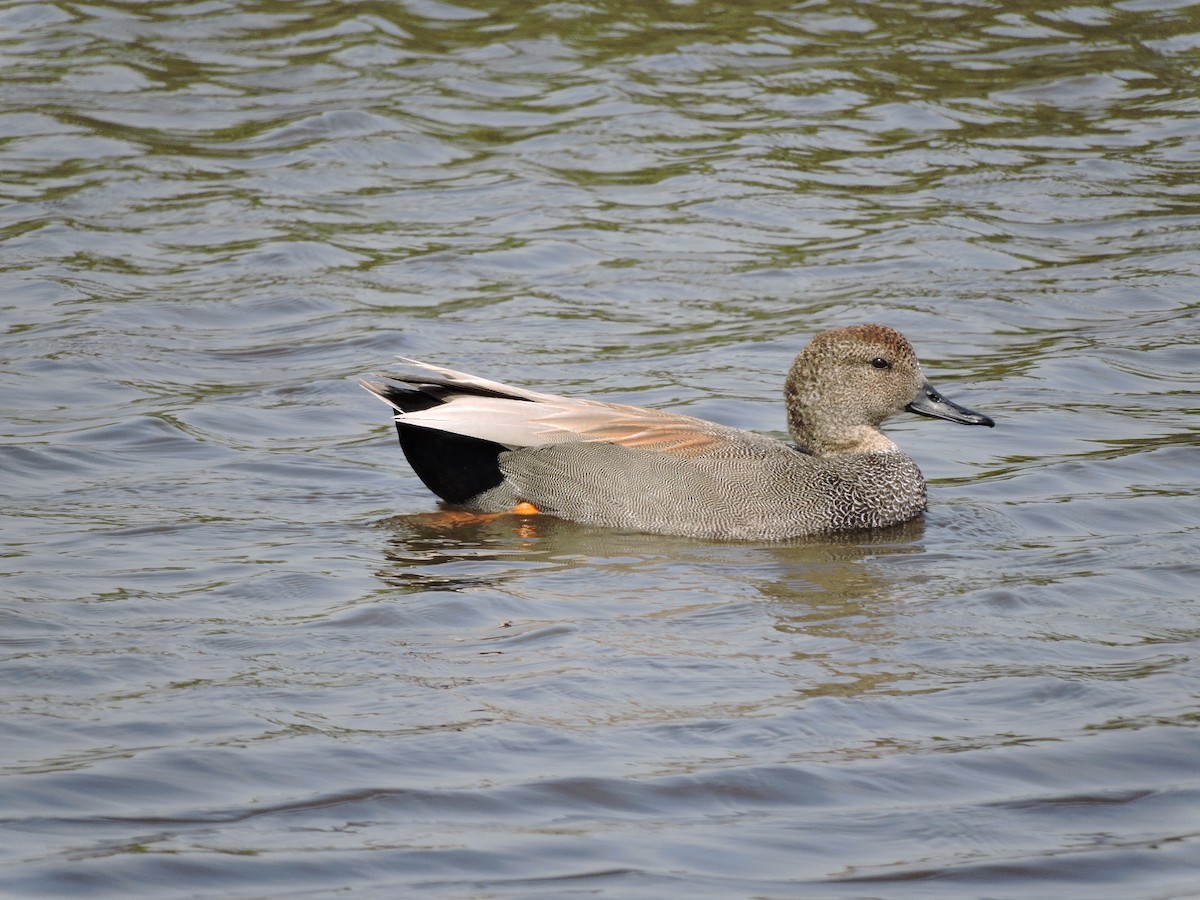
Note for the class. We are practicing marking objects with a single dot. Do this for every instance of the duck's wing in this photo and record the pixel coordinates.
(460, 403)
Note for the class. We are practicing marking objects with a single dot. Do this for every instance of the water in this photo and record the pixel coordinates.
(241, 656)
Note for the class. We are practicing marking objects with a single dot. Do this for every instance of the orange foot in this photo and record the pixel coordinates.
(452, 518)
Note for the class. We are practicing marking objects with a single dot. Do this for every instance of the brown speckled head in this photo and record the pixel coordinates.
(845, 383)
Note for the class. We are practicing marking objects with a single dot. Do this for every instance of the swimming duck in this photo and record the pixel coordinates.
(490, 448)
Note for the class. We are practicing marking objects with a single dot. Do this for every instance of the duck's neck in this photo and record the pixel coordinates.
(855, 439)
(827, 433)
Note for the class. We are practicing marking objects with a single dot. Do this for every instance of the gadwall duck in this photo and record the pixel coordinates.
(490, 448)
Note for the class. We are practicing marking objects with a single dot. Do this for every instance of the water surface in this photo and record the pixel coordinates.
(240, 656)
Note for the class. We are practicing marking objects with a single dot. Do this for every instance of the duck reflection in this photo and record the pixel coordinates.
(565, 625)
(443, 550)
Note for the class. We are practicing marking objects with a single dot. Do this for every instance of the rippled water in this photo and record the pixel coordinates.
(238, 654)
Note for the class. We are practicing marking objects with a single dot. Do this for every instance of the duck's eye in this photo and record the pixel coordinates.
(880, 363)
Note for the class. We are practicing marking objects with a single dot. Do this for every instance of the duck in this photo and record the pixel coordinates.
(490, 448)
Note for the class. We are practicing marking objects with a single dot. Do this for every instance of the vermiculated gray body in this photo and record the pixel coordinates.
(755, 492)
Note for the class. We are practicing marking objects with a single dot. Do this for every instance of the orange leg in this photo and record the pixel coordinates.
(450, 518)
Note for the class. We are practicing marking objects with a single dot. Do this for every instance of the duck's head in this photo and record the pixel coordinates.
(847, 381)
